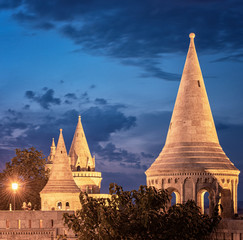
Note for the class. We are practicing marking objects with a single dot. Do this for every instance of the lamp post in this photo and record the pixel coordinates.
(14, 187)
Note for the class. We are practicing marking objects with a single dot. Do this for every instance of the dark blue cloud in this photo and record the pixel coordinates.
(10, 4)
(138, 32)
(230, 57)
(111, 153)
(98, 122)
(101, 101)
(45, 99)
(147, 155)
(26, 107)
(71, 96)
(102, 121)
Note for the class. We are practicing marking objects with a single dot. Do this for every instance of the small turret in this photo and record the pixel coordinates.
(52, 152)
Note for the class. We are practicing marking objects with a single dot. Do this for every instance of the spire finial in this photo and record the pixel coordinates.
(192, 35)
(53, 142)
(60, 130)
(79, 117)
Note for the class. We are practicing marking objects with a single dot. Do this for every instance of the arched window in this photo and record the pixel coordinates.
(174, 196)
(204, 202)
(173, 199)
(59, 205)
(67, 205)
(78, 168)
(89, 168)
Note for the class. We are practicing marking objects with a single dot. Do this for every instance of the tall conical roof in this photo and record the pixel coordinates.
(192, 141)
(79, 150)
(61, 178)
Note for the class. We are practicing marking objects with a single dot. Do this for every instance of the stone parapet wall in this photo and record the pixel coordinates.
(33, 225)
(229, 229)
(24, 234)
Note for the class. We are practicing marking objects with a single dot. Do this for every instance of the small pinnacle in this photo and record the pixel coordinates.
(192, 35)
(60, 130)
(79, 117)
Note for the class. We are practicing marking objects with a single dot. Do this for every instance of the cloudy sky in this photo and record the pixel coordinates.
(118, 64)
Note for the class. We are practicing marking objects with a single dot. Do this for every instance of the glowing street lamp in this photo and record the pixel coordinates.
(14, 187)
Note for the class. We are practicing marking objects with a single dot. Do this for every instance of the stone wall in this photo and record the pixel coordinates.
(33, 225)
(47, 225)
(229, 229)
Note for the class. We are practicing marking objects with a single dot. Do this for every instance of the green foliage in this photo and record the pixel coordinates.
(27, 168)
(141, 214)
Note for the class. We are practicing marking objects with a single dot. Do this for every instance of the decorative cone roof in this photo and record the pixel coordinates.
(192, 141)
(61, 178)
(79, 149)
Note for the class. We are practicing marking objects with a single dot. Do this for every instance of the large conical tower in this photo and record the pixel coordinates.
(192, 161)
(79, 152)
(61, 191)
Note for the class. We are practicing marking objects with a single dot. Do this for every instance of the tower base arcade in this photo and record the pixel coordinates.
(221, 187)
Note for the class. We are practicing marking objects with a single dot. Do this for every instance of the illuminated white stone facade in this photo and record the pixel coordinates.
(192, 161)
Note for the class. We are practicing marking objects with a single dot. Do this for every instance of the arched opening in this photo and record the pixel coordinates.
(205, 201)
(59, 205)
(89, 168)
(174, 196)
(173, 199)
(67, 205)
(78, 168)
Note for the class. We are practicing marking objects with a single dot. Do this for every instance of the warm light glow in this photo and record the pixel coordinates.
(15, 186)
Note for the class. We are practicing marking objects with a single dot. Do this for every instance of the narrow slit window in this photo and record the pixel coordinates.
(7, 224)
(41, 223)
(198, 82)
(19, 224)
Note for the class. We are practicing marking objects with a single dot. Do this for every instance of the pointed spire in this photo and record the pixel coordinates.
(79, 151)
(52, 152)
(192, 140)
(53, 148)
(61, 148)
(61, 178)
(192, 119)
(53, 143)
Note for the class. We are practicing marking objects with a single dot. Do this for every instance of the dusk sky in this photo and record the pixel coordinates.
(118, 64)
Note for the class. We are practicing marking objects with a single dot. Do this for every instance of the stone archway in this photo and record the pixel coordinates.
(171, 190)
(200, 200)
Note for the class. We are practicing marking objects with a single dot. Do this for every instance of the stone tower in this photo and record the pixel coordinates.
(82, 164)
(60, 192)
(79, 153)
(192, 161)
